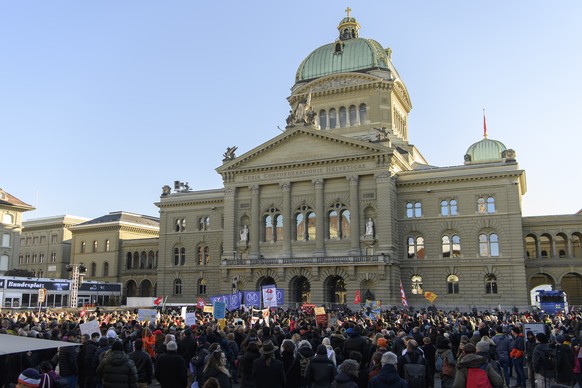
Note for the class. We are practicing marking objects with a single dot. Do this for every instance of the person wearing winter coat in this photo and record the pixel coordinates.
(388, 376)
(304, 354)
(472, 360)
(170, 370)
(143, 364)
(216, 367)
(444, 351)
(503, 347)
(268, 372)
(330, 352)
(291, 367)
(68, 368)
(356, 342)
(413, 355)
(347, 375)
(517, 355)
(116, 370)
(245, 364)
(320, 370)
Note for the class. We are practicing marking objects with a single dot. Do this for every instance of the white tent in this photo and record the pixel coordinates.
(16, 344)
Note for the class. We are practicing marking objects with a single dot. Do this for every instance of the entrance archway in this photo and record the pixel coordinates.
(540, 281)
(335, 290)
(300, 290)
(145, 288)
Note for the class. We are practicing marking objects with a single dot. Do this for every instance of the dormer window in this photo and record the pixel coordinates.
(339, 47)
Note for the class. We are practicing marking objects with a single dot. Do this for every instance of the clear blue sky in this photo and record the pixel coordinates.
(104, 102)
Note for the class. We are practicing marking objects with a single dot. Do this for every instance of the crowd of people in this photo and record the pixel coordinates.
(291, 348)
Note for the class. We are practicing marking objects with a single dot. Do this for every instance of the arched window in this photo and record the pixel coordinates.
(576, 252)
(488, 245)
(206, 255)
(490, 284)
(94, 246)
(560, 242)
(343, 117)
(486, 205)
(545, 246)
(416, 281)
(531, 247)
(305, 223)
(203, 254)
(451, 246)
(128, 260)
(273, 225)
(339, 222)
(413, 209)
(202, 287)
(83, 246)
(363, 114)
(448, 207)
(106, 269)
(332, 118)
(7, 219)
(93, 270)
(415, 247)
(107, 245)
(453, 284)
(177, 287)
(176, 256)
(182, 256)
(142, 260)
(353, 116)
(322, 119)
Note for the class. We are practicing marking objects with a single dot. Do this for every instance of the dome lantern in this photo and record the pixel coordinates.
(348, 27)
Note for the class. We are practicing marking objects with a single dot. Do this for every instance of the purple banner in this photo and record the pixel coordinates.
(234, 301)
(280, 297)
(253, 298)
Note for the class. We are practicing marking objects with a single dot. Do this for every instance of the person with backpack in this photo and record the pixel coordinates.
(502, 346)
(445, 362)
(474, 372)
(304, 355)
(413, 368)
(530, 345)
(544, 362)
(483, 350)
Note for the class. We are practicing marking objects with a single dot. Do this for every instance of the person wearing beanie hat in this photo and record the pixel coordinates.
(330, 352)
(116, 369)
(28, 378)
(170, 369)
(348, 375)
(143, 364)
(320, 370)
(388, 375)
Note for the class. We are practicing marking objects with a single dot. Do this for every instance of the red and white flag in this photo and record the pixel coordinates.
(200, 304)
(403, 295)
(158, 300)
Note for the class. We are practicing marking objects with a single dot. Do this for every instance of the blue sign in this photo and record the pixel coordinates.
(253, 298)
(214, 299)
(219, 310)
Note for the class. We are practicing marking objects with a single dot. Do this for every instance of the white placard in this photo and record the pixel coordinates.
(90, 327)
(147, 315)
(190, 319)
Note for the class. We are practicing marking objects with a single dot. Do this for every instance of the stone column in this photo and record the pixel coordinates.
(384, 218)
(287, 218)
(355, 221)
(319, 222)
(230, 224)
(255, 228)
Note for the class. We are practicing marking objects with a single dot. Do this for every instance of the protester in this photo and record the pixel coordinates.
(388, 376)
(170, 369)
(143, 364)
(268, 372)
(116, 370)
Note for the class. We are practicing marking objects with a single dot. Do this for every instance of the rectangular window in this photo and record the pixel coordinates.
(6, 240)
(53, 257)
(54, 238)
(35, 240)
(43, 239)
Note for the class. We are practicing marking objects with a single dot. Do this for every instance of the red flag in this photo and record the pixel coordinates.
(158, 300)
(82, 313)
(200, 304)
(357, 298)
(484, 125)
(403, 295)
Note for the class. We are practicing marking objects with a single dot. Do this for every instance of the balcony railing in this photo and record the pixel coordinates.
(292, 261)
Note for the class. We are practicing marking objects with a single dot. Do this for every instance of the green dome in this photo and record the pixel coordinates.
(486, 150)
(343, 56)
